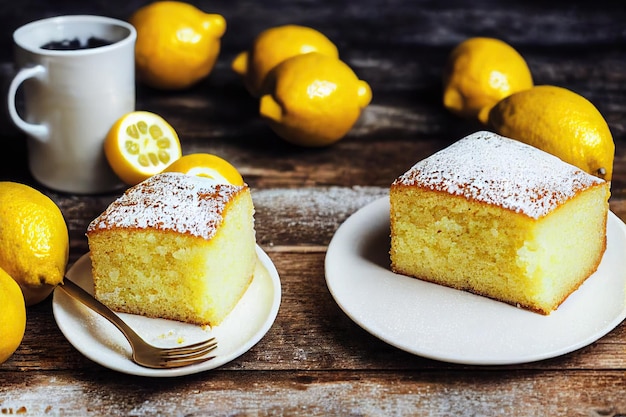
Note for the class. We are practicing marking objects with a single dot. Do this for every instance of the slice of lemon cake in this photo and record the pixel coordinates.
(499, 218)
(175, 246)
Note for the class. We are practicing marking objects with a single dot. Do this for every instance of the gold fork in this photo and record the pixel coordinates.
(144, 354)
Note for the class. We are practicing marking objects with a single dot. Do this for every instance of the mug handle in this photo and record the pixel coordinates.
(37, 131)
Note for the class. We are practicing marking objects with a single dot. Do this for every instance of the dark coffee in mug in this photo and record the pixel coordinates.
(75, 44)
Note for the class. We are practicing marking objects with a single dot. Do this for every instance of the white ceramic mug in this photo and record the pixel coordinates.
(72, 98)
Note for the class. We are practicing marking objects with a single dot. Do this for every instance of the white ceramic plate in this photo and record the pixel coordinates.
(449, 325)
(100, 341)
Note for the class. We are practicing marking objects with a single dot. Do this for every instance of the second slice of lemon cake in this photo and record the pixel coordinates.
(499, 218)
(175, 246)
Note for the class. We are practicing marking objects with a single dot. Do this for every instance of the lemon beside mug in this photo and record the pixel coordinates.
(72, 97)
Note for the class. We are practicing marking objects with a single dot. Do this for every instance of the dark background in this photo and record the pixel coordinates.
(398, 46)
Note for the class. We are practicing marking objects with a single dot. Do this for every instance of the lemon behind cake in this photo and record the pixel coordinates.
(175, 246)
(499, 218)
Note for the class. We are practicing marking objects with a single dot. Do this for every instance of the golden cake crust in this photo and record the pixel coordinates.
(170, 202)
(491, 169)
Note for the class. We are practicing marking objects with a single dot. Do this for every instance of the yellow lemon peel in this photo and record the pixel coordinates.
(12, 316)
(208, 166)
(177, 44)
(479, 73)
(313, 100)
(273, 46)
(558, 121)
(34, 240)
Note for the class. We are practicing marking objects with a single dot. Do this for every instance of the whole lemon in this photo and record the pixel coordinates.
(12, 316)
(177, 44)
(479, 73)
(558, 121)
(34, 240)
(273, 46)
(313, 99)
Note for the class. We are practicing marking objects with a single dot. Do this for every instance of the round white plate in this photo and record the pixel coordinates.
(449, 325)
(100, 341)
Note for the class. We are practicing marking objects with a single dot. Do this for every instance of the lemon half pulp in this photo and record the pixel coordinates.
(139, 145)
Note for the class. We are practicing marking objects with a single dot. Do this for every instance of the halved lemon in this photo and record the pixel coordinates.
(139, 145)
(207, 165)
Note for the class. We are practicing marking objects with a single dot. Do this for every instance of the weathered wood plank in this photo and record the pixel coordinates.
(335, 392)
(310, 333)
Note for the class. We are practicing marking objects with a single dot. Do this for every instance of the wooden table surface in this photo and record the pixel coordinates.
(315, 360)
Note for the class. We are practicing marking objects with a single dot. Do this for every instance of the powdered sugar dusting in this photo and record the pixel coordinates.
(170, 201)
(504, 172)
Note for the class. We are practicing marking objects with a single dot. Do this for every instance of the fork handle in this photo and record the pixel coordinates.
(76, 292)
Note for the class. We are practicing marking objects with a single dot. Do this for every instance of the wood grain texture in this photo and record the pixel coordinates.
(315, 360)
(310, 333)
(336, 393)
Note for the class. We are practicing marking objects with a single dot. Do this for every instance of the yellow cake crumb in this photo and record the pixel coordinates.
(501, 219)
(177, 247)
